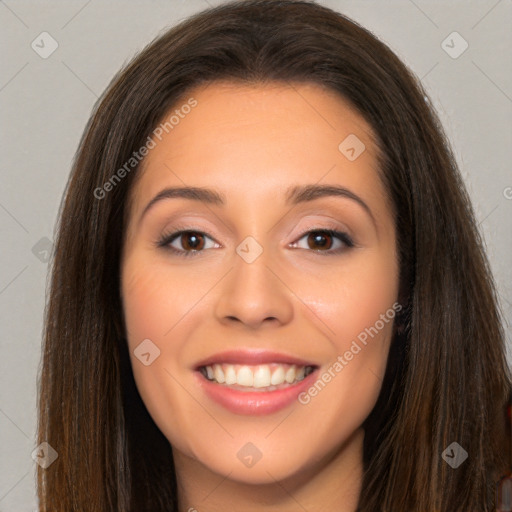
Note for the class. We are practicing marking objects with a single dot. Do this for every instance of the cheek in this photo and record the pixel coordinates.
(153, 301)
(155, 309)
(353, 296)
(357, 311)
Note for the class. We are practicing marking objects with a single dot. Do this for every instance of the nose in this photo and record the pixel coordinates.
(254, 294)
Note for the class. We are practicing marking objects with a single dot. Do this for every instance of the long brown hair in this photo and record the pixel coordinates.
(447, 378)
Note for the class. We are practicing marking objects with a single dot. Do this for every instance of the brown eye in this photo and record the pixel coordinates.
(192, 241)
(187, 242)
(328, 241)
(320, 240)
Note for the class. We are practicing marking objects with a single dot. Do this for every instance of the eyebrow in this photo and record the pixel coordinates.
(294, 195)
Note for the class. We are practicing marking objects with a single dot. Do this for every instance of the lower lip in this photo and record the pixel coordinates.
(254, 403)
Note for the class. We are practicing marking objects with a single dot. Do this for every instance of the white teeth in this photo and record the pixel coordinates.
(262, 377)
(218, 373)
(290, 375)
(245, 376)
(230, 375)
(278, 376)
(258, 376)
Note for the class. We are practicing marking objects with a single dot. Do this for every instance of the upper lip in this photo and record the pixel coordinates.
(252, 357)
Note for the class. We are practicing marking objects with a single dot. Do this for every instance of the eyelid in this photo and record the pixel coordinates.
(324, 225)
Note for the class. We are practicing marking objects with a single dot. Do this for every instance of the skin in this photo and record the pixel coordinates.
(250, 143)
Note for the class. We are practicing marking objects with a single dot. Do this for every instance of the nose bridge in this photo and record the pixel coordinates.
(251, 292)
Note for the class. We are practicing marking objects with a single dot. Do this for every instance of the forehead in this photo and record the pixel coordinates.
(255, 140)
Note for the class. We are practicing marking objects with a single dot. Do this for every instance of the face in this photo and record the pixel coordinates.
(259, 308)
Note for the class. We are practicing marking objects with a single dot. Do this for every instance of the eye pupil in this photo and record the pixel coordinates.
(192, 241)
(320, 239)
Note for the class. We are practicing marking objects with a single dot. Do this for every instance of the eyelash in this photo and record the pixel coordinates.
(167, 238)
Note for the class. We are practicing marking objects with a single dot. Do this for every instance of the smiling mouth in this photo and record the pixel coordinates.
(261, 377)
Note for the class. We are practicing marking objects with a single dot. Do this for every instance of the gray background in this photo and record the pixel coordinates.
(45, 104)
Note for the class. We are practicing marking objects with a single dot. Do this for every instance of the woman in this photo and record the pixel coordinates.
(268, 290)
